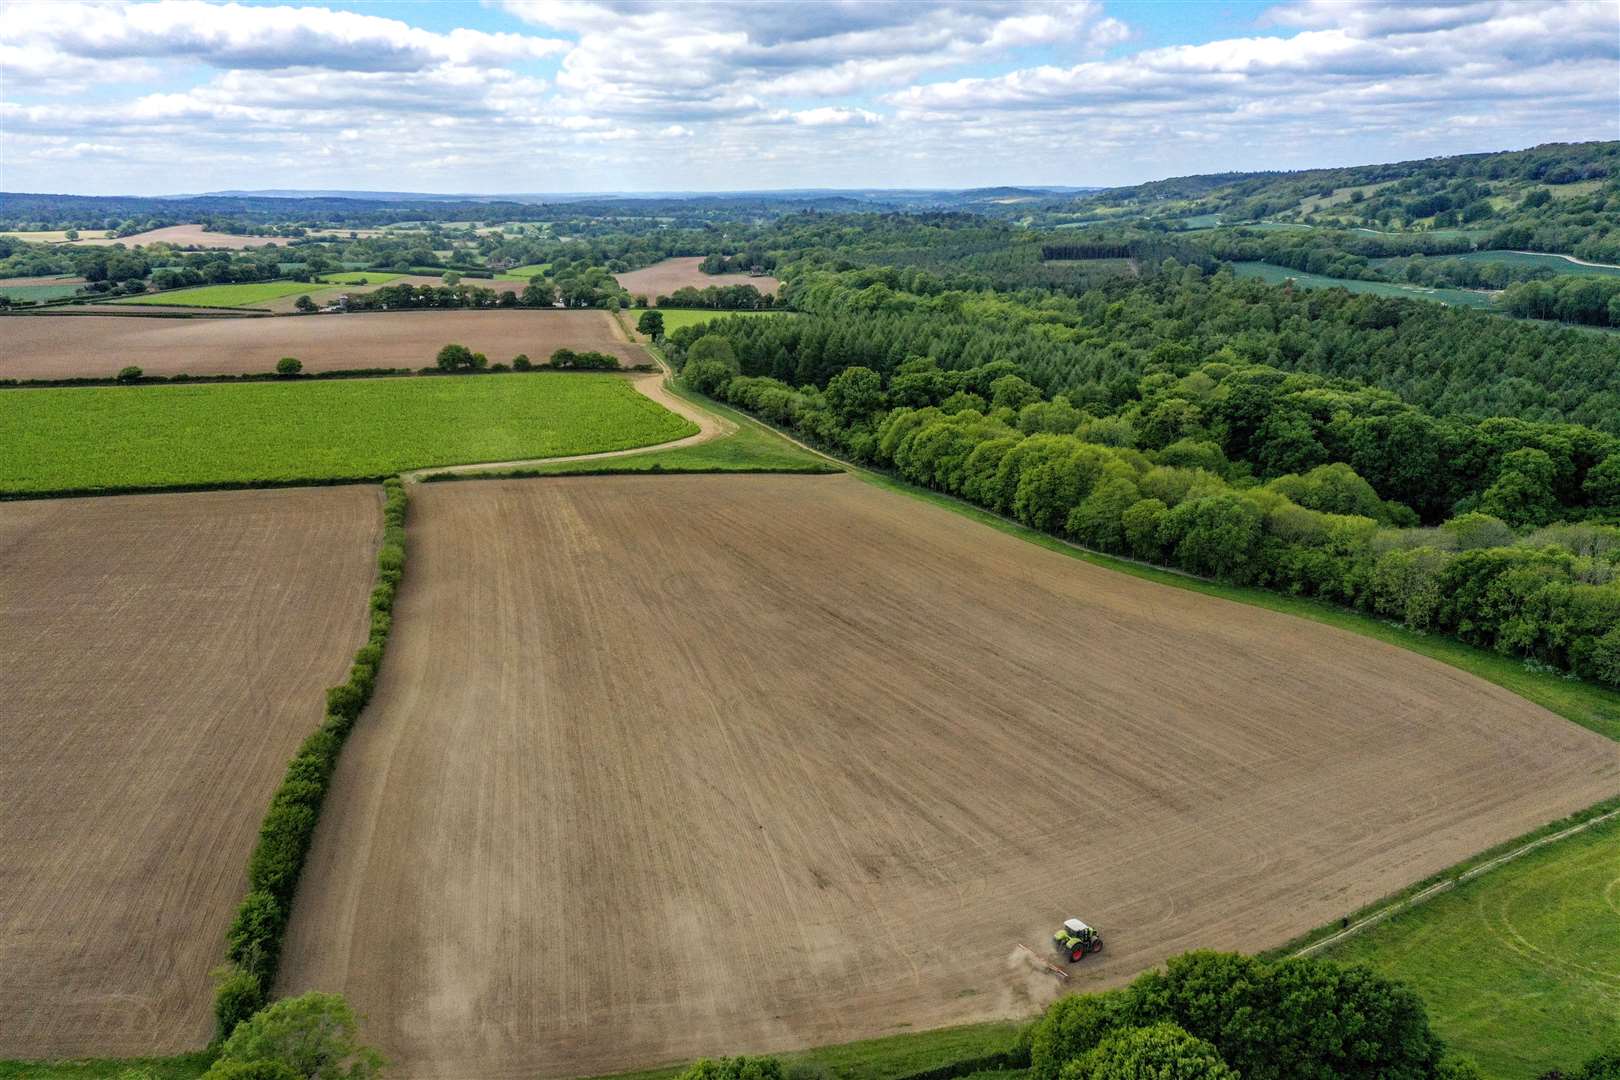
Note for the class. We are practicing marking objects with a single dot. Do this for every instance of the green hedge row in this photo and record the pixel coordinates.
(253, 943)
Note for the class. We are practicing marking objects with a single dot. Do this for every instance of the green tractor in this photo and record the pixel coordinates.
(1074, 939)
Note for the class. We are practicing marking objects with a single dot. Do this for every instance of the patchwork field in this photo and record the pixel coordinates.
(663, 278)
(68, 346)
(348, 283)
(161, 657)
(100, 438)
(685, 765)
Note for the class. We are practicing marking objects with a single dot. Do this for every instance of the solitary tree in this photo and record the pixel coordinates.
(304, 304)
(651, 323)
(460, 358)
(289, 365)
(452, 278)
(129, 374)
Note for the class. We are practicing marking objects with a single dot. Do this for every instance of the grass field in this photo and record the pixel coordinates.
(35, 294)
(128, 438)
(676, 318)
(1276, 275)
(1556, 263)
(225, 296)
(523, 273)
(1520, 968)
(355, 277)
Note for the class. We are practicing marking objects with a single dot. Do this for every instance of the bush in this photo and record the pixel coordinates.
(460, 358)
(238, 995)
(737, 1068)
(521, 362)
(289, 365)
(1161, 1052)
(315, 1035)
(567, 359)
(129, 374)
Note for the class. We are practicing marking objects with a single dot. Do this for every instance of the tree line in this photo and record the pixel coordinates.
(1203, 472)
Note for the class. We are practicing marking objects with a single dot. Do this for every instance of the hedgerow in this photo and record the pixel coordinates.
(253, 942)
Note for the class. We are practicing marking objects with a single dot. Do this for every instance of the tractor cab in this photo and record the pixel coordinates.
(1074, 939)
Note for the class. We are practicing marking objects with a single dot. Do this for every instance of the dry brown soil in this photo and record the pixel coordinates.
(161, 658)
(663, 278)
(184, 236)
(669, 766)
(56, 347)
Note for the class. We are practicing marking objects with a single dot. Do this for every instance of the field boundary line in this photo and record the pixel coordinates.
(1448, 884)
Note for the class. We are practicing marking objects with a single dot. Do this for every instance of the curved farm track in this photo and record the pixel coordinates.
(670, 766)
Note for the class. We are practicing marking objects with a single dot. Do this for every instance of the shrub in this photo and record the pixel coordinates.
(521, 362)
(238, 995)
(315, 1035)
(460, 358)
(289, 365)
(737, 1068)
(264, 1069)
(567, 359)
(129, 374)
(1161, 1052)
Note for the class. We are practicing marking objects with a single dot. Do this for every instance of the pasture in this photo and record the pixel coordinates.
(86, 439)
(1520, 969)
(70, 346)
(1558, 264)
(1276, 275)
(688, 765)
(677, 318)
(244, 295)
(161, 657)
(663, 278)
(34, 290)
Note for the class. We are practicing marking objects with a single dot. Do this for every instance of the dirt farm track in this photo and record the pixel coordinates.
(667, 766)
(66, 346)
(161, 658)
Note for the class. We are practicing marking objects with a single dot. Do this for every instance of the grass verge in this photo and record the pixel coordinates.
(1520, 968)
(891, 1057)
(98, 439)
(179, 1067)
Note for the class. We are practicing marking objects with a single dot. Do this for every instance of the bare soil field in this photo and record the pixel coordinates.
(687, 765)
(66, 346)
(184, 236)
(663, 278)
(161, 658)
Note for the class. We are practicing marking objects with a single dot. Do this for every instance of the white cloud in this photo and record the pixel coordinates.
(186, 95)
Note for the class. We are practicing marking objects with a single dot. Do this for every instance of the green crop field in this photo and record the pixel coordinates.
(676, 318)
(1276, 275)
(524, 273)
(149, 437)
(1556, 263)
(1520, 968)
(356, 277)
(34, 294)
(225, 296)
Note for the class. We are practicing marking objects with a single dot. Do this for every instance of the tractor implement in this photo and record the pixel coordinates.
(1048, 965)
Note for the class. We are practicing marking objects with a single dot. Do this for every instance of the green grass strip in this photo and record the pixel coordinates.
(89, 439)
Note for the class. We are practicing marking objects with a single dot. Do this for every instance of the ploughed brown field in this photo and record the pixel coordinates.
(670, 766)
(161, 658)
(663, 278)
(183, 236)
(67, 346)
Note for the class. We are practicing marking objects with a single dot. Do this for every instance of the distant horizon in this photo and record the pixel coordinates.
(384, 194)
(156, 97)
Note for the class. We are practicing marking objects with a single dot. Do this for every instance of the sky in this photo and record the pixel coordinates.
(534, 96)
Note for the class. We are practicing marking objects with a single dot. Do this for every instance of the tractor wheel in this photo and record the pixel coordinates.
(1096, 946)
(1075, 956)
